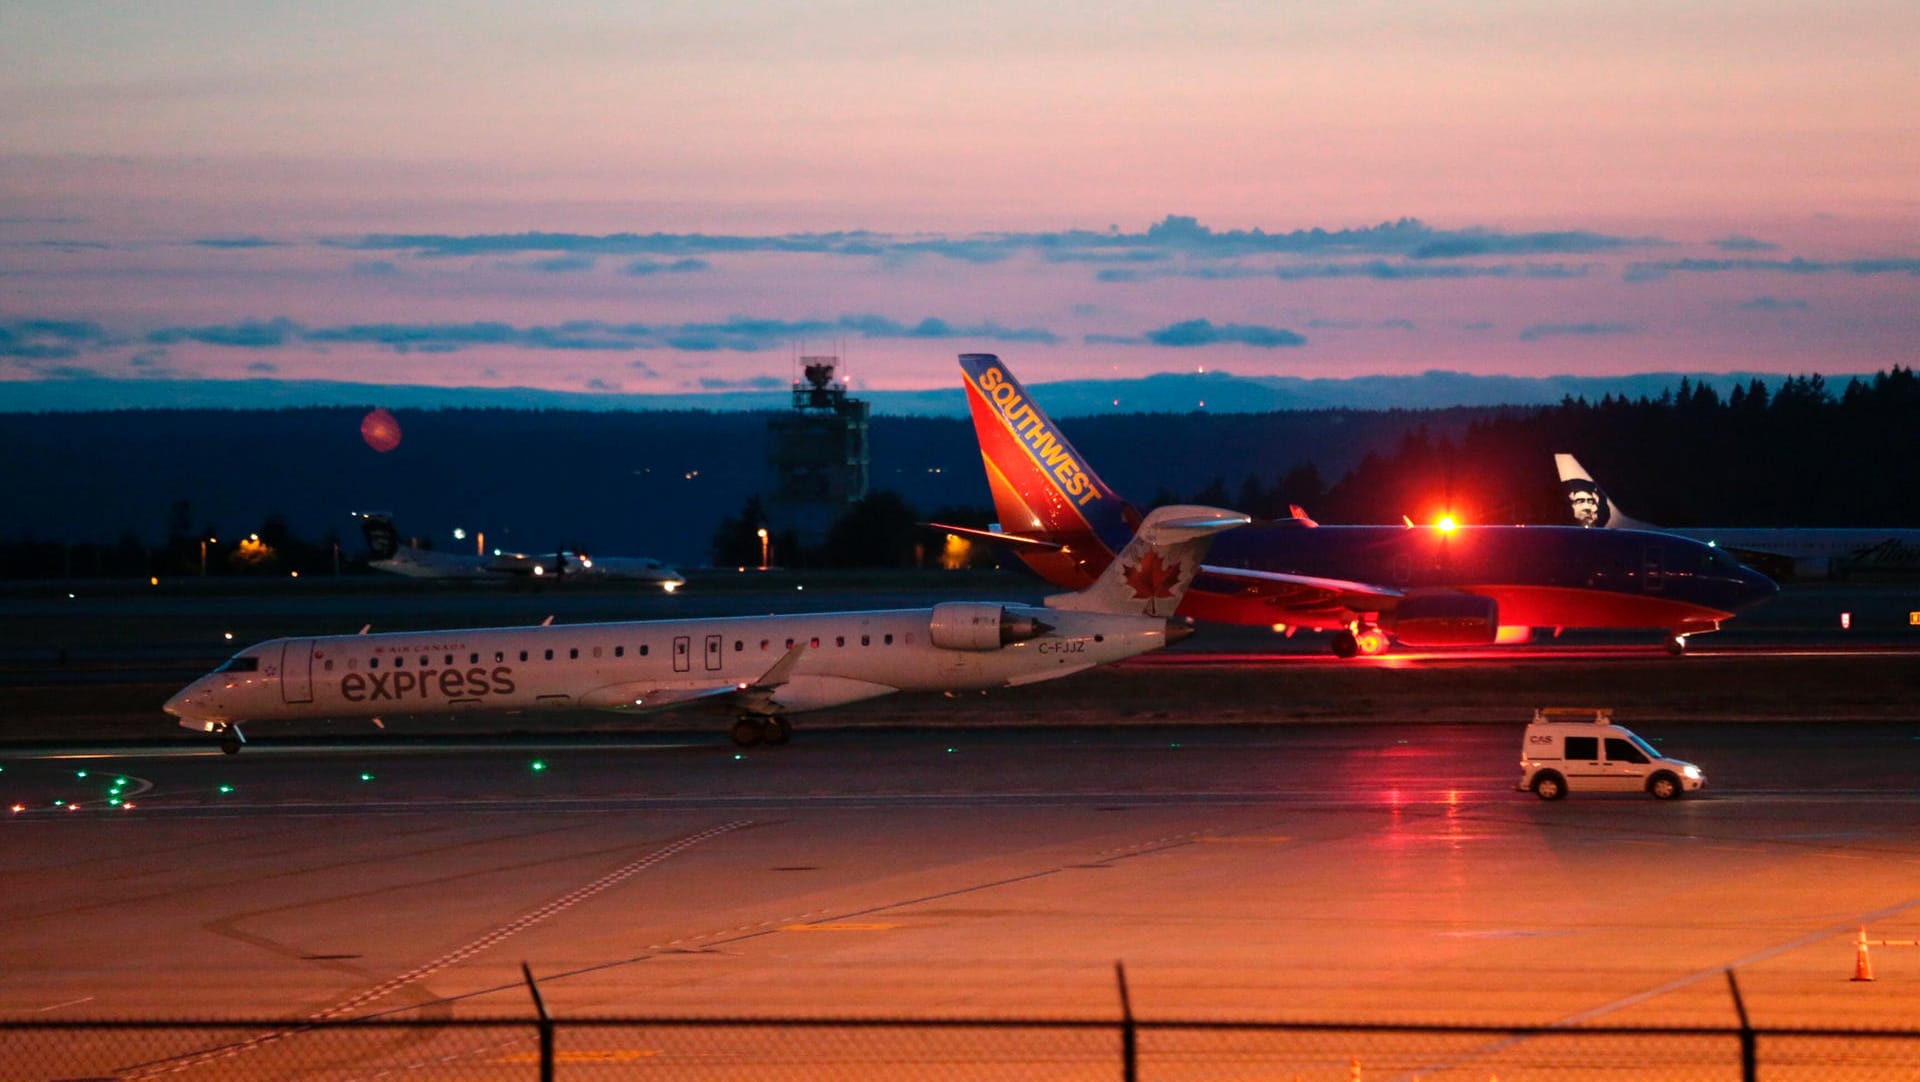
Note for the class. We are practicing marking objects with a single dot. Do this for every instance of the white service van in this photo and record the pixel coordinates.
(1570, 749)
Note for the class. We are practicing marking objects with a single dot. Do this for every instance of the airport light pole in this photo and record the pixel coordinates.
(763, 548)
(203, 555)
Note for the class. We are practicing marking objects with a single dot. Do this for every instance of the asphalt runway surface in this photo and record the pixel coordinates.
(1233, 827)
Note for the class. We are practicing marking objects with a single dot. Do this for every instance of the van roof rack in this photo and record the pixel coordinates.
(1599, 715)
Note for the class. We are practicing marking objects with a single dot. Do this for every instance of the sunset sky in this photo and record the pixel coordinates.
(651, 197)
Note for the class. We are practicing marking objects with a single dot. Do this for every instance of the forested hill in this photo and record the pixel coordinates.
(654, 483)
(659, 483)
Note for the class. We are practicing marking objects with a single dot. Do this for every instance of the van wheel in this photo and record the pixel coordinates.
(1549, 786)
(1663, 786)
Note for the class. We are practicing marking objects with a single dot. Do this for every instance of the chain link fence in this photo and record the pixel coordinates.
(724, 1050)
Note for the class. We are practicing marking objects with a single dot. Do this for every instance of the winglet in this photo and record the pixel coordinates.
(1152, 573)
(782, 670)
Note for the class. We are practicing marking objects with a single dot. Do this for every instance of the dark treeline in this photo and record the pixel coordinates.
(1804, 455)
(136, 492)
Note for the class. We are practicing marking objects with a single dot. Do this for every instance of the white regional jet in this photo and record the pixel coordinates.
(386, 553)
(1803, 552)
(760, 667)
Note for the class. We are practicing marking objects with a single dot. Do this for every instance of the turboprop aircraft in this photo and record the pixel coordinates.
(761, 667)
(385, 553)
(1420, 586)
(1806, 553)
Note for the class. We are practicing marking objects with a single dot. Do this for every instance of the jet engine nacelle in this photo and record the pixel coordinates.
(1446, 620)
(974, 625)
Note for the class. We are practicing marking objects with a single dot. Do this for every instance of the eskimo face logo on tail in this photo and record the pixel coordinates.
(1049, 449)
(1586, 501)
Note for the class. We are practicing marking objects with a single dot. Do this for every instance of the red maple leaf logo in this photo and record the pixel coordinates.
(1151, 578)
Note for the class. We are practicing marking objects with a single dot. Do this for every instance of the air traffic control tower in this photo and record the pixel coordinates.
(820, 456)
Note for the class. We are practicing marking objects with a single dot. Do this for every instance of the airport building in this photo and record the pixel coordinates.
(820, 455)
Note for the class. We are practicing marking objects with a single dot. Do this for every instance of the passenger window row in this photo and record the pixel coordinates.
(399, 661)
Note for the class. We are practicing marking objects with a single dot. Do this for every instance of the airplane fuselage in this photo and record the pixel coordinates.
(1538, 576)
(647, 665)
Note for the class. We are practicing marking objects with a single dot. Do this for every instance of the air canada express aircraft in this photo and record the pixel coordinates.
(385, 553)
(1420, 586)
(761, 667)
(1803, 552)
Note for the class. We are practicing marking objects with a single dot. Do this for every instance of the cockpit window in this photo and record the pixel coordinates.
(242, 663)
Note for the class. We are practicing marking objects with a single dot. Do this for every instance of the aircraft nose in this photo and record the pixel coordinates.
(1178, 630)
(181, 704)
(1758, 586)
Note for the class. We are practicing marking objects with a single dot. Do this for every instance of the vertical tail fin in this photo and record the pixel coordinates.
(1152, 573)
(1042, 487)
(1587, 501)
(377, 527)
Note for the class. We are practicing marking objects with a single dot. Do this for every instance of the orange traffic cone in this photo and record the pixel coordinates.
(1862, 965)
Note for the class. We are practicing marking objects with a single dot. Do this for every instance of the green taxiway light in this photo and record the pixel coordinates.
(58, 803)
(114, 800)
(538, 765)
(364, 776)
(79, 773)
(226, 788)
(737, 757)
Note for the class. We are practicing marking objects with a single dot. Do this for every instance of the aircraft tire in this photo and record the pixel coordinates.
(778, 731)
(1549, 786)
(748, 731)
(1677, 645)
(1345, 645)
(1664, 786)
(230, 744)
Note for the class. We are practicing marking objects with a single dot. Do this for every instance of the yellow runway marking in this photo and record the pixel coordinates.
(841, 927)
(1225, 839)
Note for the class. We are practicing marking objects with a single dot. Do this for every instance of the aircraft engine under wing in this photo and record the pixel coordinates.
(1448, 619)
(972, 625)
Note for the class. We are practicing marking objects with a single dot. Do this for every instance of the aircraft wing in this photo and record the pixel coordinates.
(1298, 599)
(647, 696)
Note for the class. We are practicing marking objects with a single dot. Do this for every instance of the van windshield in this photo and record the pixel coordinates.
(1644, 746)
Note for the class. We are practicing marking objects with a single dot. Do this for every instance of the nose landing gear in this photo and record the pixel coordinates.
(231, 738)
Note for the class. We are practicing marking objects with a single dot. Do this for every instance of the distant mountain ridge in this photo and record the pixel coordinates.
(1167, 392)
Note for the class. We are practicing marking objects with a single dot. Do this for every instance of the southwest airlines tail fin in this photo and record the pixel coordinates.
(1043, 489)
(1152, 573)
(1589, 503)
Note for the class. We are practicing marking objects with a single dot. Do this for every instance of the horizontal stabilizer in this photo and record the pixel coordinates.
(1012, 540)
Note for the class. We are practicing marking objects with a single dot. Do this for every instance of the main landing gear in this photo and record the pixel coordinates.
(1367, 640)
(753, 729)
(1677, 645)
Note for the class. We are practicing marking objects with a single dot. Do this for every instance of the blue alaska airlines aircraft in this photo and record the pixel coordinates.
(1802, 552)
(1418, 585)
